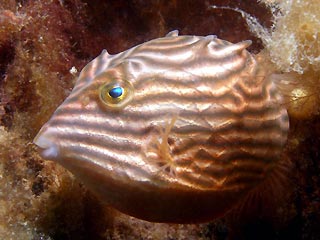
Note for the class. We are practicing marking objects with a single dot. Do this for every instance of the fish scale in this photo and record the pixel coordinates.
(194, 128)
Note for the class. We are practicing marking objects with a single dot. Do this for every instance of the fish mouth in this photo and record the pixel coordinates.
(47, 147)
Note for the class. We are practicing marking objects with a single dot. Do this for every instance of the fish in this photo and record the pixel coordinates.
(177, 129)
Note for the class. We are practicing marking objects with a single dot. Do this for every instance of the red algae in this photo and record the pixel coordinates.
(40, 41)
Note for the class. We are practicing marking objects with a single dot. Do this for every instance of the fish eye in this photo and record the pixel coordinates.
(116, 94)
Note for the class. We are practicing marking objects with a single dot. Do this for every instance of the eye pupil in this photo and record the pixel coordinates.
(116, 92)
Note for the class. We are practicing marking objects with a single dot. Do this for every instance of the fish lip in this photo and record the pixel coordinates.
(47, 148)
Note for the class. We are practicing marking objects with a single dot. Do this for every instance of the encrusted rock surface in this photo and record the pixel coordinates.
(40, 41)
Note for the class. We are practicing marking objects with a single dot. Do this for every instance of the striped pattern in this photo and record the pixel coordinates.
(202, 116)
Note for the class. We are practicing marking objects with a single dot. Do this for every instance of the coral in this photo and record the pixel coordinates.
(293, 42)
(301, 93)
(40, 41)
(293, 46)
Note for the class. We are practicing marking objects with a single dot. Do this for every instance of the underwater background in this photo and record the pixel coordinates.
(45, 44)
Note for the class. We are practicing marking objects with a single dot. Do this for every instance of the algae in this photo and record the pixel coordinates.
(40, 41)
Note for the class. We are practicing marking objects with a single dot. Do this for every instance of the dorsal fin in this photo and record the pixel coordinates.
(173, 33)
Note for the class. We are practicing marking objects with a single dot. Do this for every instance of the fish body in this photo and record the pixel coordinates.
(177, 129)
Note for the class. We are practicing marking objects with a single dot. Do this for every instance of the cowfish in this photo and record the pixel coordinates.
(178, 129)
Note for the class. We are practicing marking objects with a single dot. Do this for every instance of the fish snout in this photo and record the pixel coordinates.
(48, 147)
